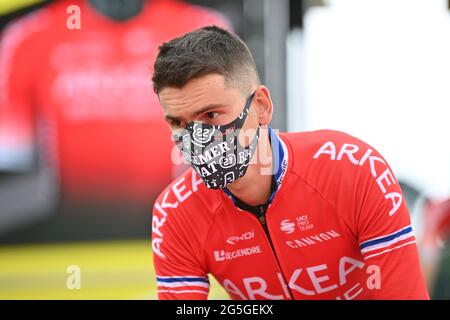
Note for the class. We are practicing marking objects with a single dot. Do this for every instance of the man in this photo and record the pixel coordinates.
(311, 215)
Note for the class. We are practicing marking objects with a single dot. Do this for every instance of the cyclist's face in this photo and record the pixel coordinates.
(206, 99)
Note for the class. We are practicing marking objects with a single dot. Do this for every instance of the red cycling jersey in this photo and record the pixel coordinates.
(86, 95)
(337, 227)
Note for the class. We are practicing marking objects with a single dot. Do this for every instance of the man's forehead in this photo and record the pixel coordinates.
(195, 87)
(193, 100)
(193, 112)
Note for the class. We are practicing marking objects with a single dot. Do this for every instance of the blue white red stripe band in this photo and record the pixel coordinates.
(388, 242)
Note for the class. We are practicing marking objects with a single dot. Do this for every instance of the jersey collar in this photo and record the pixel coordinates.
(280, 160)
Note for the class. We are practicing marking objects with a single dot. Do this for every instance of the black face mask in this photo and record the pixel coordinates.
(215, 152)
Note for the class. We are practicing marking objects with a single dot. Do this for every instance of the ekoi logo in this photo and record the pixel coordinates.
(245, 236)
(287, 226)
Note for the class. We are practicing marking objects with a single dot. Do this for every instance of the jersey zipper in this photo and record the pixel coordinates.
(261, 216)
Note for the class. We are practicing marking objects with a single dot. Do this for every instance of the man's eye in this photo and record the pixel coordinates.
(212, 115)
(175, 123)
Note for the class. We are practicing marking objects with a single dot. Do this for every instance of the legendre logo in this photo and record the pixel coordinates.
(222, 255)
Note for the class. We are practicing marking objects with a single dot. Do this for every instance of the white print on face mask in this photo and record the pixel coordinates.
(224, 147)
(386, 177)
(228, 161)
(210, 154)
(200, 135)
(244, 155)
(187, 142)
(206, 172)
(228, 177)
(182, 190)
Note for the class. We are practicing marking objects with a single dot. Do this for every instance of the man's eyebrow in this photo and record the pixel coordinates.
(196, 113)
(208, 108)
(173, 118)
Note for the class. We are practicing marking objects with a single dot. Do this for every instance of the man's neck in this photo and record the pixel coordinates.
(254, 188)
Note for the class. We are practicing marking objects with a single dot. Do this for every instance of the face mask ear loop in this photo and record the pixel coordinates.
(257, 135)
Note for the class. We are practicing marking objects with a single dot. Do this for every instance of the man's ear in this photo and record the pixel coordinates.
(263, 104)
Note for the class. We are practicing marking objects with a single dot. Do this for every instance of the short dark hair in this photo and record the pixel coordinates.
(201, 52)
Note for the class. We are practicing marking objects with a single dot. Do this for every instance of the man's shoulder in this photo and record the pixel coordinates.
(303, 140)
(313, 145)
(326, 157)
(184, 211)
(188, 193)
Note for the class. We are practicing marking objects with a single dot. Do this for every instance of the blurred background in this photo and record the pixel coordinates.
(84, 150)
